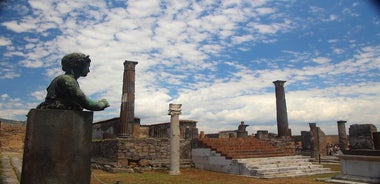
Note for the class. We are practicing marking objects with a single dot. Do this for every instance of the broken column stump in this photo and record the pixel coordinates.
(57, 147)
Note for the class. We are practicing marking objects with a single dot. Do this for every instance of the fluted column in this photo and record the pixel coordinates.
(282, 115)
(174, 112)
(127, 110)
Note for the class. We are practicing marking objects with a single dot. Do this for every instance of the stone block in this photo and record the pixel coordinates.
(361, 136)
(367, 168)
(57, 147)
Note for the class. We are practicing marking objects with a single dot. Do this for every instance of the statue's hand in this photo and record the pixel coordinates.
(103, 103)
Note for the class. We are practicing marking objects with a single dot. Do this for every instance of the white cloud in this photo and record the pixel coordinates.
(265, 11)
(5, 41)
(321, 60)
(272, 28)
(4, 96)
(19, 27)
(8, 71)
(338, 50)
(333, 17)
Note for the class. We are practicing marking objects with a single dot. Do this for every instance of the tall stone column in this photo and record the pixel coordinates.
(127, 110)
(314, 139)
(282, 115)
(174, 112)
(343, 140)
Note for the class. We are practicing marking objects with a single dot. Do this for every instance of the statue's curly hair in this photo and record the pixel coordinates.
(74, 60)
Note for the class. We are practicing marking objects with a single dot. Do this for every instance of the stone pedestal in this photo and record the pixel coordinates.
(57, 147)
(360, 168)
(174, 112)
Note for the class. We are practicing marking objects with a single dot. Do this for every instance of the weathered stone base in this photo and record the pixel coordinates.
(136, 152)
(360, 168)
(57, 147)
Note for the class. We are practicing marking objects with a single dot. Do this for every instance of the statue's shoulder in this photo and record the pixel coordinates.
(65, 80)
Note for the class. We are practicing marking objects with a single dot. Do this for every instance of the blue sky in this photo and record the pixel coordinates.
(217, 58)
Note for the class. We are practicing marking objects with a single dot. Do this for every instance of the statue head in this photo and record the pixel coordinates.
(76, 64)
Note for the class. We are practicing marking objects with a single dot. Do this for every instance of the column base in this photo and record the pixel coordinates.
(174, 173)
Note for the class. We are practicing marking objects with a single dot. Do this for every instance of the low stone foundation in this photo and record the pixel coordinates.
(137, 152)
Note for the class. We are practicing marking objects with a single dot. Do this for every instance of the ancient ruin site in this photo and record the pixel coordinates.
(176, 151)
(189, 91)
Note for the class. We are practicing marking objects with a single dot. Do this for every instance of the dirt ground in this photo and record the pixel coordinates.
(12, 137)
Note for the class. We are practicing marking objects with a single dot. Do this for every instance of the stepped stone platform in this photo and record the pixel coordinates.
(252, 157)
(249, 147)
(270, 167)
(275, 167)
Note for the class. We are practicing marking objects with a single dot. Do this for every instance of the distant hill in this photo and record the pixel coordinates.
(9, 121)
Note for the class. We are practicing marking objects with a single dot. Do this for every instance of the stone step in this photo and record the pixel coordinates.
(254, 155)
(288, 169)
(290, 173)
(280, 165)
(266, 162)
(275, 167)
(275, 160)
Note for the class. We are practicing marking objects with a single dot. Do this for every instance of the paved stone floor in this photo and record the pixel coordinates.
(11, 164)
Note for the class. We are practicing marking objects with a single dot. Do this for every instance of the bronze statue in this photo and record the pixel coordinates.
(64, 91)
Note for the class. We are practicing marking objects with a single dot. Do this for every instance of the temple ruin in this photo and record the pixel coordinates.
(122, 142)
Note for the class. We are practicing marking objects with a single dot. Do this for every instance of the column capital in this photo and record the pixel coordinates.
(174, 109)
(278, 83)
(341, 121)
(130, 65)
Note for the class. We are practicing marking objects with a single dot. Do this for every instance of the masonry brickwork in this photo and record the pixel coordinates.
(122, 152)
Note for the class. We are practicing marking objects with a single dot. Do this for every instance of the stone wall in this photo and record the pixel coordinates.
(109, 129)
(332, 139)
(318, 141)
(188, 130)
(306, 140)
(122, 152)
(285, 143)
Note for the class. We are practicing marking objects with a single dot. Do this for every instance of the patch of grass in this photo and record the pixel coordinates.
(336, 168)
(193, 176)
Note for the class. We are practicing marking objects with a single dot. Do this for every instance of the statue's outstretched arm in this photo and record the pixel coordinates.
(80, 97)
